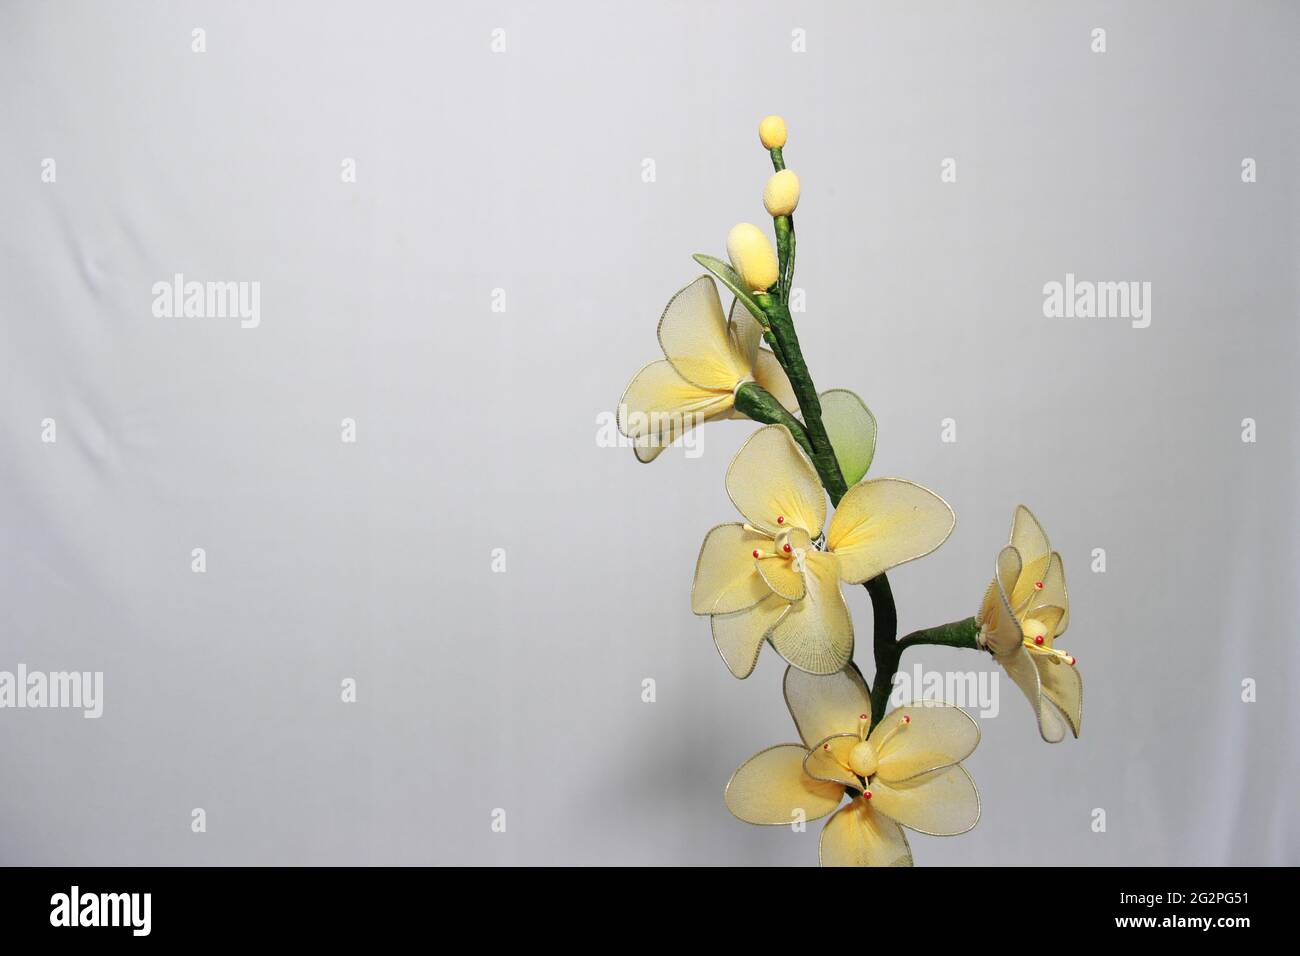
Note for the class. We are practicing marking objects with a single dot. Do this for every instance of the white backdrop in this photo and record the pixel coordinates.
(477, 429)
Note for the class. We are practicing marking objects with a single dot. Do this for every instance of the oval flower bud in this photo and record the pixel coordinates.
(772, 132)
(781, 194)
(752, 255)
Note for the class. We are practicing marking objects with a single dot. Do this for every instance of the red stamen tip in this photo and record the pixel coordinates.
(907, 718)
(1038, 585)
(862, 716)
(866, 794)
(780, 519)
(785, 548)
(1074, 660)
(756, 552)
(826, 746)
(1038, 639)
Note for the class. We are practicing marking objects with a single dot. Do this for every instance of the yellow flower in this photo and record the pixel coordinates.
(771, 132)
(1024, 611)
(752, 256)
(776, 577)
(707, 357)
(906, 773)
(781, 194)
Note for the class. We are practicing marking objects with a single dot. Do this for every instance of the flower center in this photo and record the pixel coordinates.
(1038, 639)
(862, 759)
(792, 544)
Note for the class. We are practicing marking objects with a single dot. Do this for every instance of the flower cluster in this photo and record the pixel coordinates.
(778, 575)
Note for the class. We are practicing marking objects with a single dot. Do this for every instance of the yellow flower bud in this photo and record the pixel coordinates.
(752, 255)
(772, 132)
(781, 194)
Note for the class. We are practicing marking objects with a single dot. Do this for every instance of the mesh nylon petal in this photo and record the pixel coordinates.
(859, 836)
(998, 624)
(745, 333)
(1028, 536)
(771, 478)
(660, 406)
(739, 636)
(852, 430)
(780, 576)
(725, 579)
(1053, 593)
(771, 786)
(882, 523)
(943, 803)
(826, 704)
(817, 633)
(1062, 685)
(829, 760)
(937, 736)
(1020, 668)
(693, 334)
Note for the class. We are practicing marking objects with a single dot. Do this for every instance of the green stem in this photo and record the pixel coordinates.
(963, 633)
(759, 404)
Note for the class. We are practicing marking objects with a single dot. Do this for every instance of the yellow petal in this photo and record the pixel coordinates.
(1062, 686)
(1028, 536)
(829, 760)
(725, 578)
(824, 705)
(1019, 666)
(739, 636)
(770, 787)
(771, 478)
(851, 428)
(1054, 594)
(660, 406)
(943, 803)
(693, 334)
(858, 836)
(817, 633)
(769, 373)
(885, 522)
(937, 736)
(999, 627)
(781, 577)
(746, 334)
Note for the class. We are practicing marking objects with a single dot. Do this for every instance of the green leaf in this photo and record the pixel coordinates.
(852, 430)
(731, 279)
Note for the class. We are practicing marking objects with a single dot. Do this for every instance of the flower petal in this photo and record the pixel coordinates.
(1020, 668)
(770, 787)
(660, 406)
(779, 575)
(824, 705)
(739, 636)
(852, 430)
(943, 803)
(771, 477)
(999, 628)
(1054, 594)
(859, 836)
(769, 373)
(745, 333)
(937, 736)
(885, 522)
(725, 577)
(828, 760)
(1028, 536)
(1062, 686)
(693, 334)
(817, 635)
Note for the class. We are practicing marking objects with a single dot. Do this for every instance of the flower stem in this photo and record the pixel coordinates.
(963, 633)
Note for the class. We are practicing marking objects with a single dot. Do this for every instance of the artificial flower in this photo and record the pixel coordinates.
(706, 358)
(776, 577)
(905, 773)
(1024, 611)
(752, 256)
